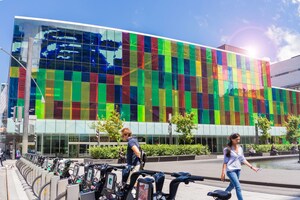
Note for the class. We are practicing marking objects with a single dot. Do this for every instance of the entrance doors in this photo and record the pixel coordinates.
(73, 150)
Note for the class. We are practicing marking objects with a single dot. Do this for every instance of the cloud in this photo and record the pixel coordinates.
(286, 41)
(296, 2)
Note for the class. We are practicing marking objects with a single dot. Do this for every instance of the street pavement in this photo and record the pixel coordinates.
(258, 188)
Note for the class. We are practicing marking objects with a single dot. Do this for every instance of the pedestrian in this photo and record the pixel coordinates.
(273, 150)
(233, 158)
(1, 157)
(18, 154)
(133, 151)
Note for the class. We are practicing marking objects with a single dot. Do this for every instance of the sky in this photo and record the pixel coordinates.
(267, 28)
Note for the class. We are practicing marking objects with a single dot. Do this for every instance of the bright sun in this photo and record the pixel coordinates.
(252, 51)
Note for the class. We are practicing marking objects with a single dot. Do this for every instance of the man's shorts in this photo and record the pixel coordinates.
(135, 169)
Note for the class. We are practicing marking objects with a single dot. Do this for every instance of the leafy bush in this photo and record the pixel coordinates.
(265, 148)
(151, 150)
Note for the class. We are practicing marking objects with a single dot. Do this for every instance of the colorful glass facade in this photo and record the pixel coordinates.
(84, 72)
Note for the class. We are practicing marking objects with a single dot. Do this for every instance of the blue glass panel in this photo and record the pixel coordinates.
(161, 79)
(85, 77)
(147, 44)
(68, 75)
(102, 69)
(133, 95)
(219, 57)
(267, 106)
(110, 70)
(118, 70)
(77, 67)
(211, 101)
(174, 82)
(13, 88)
(238, 61)
(118, 62)
(186, 66)
(118, 94)
(102, 78)
(258, 106)
(133, 112)
(161, 63)
(212, 116)
(199, 101)
(86, 38)
(274, 94)
(200, 111)
(174, 65)
(187, 83)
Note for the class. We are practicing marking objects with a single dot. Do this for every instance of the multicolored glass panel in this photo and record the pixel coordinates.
(84, 72)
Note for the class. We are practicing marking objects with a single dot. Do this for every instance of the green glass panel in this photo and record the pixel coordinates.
(195, 119)
(148, 78)
(192, 67)
(141, 95)
(155, 97)
(236, 104)
(133, 60)
(188, 101)
(155, 81)
(20, 102)
(67, 110)
(133, 42)
(39, 109)
(168, 81)
(162, 98)
(216, 102)
(125, 114)
(102, 93)
(167, 47)
(148, 61)
(180, 50)
(235, 90)
(250, 106)
(58, 90)
(134, 77)
(226, 103)
(210, 86)
(168, 64)
(50, 74)
(76, 76)
(242, 119)
(109, 108)
(180, 65)
(141, 113)
(169, 98)
(85, 92)
(161, 46)
(102, 110)
(84, 111)
(59, 75)
(175, 100)
(162, 114)
(208, 55)
(217, 117)
(192, 52)
(67, 95)
(205, 117)
(141, 78)
(76, 91)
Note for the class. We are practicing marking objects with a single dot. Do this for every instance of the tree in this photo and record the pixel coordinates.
(292, 128)
(185, 125)
(112, 125)
(264, 125)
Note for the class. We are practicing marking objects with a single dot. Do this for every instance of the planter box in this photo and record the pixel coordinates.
(204, 157)
(100, 161)
(265, 154)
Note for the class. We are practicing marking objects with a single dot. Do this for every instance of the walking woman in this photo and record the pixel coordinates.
(233, 159)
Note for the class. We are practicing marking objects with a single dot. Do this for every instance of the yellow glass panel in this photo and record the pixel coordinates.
(14, 72)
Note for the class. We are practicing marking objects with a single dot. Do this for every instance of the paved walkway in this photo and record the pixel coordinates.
(10, 184)
(208, 168)
(259, 187)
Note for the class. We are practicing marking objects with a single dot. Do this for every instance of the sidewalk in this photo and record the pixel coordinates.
(10, 183)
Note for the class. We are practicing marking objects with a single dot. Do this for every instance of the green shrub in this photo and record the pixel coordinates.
(151, 150)
(265, 148)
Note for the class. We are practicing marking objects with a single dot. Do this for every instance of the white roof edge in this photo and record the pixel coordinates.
(121, 30)
(285, 89)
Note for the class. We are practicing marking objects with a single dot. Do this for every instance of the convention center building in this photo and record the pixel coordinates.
(88, 70)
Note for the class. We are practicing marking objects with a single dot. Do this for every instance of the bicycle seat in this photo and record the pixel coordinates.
(221, 194)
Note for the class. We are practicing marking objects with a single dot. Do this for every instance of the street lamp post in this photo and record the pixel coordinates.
(256, 132)
(27, 91)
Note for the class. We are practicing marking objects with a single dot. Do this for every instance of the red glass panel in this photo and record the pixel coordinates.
(75, 110)
(194, 100)
(94, 92)
(181, 98)
(93, 111)
(126, 76)
(193, 85)
(181, 82)
(125, 41)
(126, 94)
(93, 78)
(125, 58)
(58, 108)
(205, 101)
(110, 95)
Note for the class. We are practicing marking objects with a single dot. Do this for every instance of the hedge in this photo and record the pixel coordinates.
(265, 148)
(112, 152)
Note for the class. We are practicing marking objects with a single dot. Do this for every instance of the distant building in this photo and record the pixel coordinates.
(228, 47)
(286, 73)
